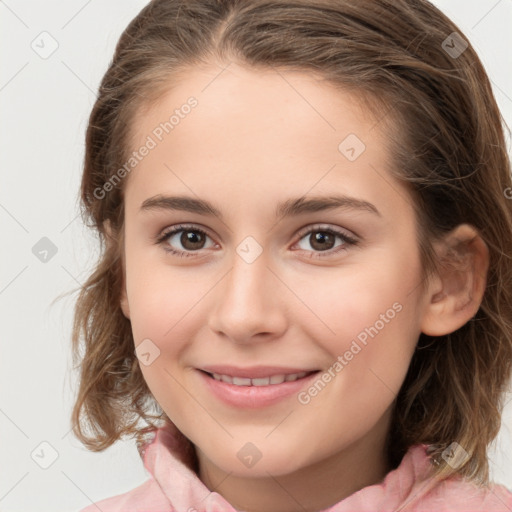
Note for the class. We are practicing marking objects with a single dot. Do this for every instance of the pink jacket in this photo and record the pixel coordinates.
(175, 487)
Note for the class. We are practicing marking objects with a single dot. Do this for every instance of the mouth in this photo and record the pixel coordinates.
(246, 392)
(271, 380)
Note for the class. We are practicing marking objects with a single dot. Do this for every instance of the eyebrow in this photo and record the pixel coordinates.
(288, 208)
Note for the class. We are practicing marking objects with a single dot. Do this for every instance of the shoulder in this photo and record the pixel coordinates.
(147, 496)
(419, 491)
(457, 494)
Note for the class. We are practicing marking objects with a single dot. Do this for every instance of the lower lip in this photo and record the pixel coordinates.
(252, 397)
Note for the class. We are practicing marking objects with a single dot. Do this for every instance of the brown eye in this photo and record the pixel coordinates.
(323, 240)
(184, 240)
(192, 240)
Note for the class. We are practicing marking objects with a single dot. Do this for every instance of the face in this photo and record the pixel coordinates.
(276, 277)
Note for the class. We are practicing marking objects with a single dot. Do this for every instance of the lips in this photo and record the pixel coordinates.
(255, 387)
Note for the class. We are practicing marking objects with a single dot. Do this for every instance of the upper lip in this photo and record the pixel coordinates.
(254, 371)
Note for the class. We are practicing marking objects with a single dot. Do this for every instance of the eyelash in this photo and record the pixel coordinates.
(347, 240)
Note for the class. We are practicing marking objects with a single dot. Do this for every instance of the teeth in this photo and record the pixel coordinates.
(240, 381)
(277, 379)
(262, 381)
(295, 376)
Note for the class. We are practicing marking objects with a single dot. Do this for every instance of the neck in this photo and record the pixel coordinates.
(310, 488)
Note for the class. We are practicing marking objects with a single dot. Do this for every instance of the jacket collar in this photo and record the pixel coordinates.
(171, 460)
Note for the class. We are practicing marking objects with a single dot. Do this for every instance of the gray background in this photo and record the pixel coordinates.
(45, 103)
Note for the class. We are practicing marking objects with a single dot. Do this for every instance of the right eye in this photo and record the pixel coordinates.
(191, 238)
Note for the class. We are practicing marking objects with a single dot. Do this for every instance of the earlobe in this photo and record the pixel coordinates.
(110, 239)
(456, 292)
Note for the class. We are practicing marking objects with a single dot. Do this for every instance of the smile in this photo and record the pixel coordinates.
(262, 381)
(252, 392)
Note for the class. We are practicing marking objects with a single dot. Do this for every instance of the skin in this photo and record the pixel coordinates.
(254, 140)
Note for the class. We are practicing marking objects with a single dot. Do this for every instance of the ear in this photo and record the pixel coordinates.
(111, 239)
(456, 292)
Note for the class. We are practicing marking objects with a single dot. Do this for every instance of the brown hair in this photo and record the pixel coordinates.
(446, 139)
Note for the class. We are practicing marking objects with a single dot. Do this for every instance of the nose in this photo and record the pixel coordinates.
(249, 302)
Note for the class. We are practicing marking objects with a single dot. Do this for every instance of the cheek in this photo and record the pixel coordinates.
(161, 300)
(167, 308)
(163, 307)
(375, 329)
(346, 303)
(368, 317)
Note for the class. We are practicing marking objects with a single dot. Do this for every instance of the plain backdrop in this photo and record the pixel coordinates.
(45, 102)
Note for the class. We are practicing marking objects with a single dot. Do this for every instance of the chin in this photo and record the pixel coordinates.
(258, 460)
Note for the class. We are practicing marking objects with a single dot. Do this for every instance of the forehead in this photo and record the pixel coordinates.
(266, 99)
(268, 131)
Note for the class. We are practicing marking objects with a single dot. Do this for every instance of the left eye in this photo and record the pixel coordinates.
(324, 240)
